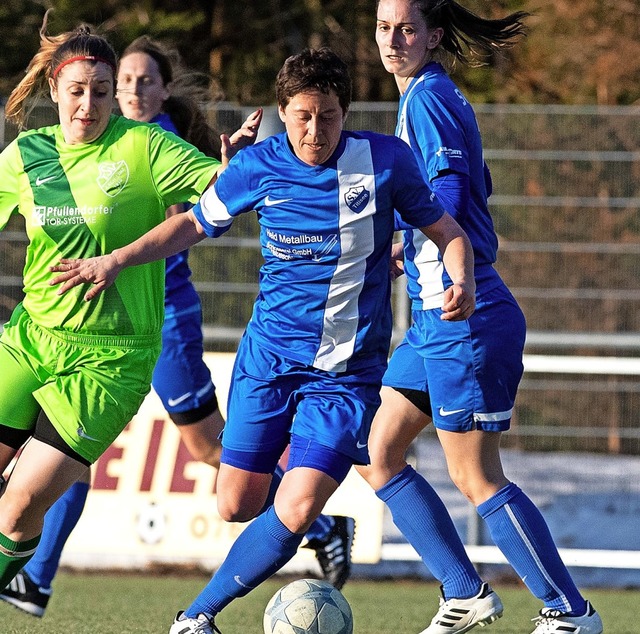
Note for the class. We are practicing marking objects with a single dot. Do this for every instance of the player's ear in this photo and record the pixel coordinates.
(53, 89)
(281, 114)
(434, 37)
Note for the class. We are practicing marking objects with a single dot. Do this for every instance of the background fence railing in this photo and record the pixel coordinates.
(566, 200)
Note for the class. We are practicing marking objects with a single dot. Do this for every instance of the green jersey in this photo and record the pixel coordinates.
(84, 200)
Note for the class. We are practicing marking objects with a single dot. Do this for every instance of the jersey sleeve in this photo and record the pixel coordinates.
(9, 189)
(414, 202)
(180, 171)
(231, 195)
(440, 142)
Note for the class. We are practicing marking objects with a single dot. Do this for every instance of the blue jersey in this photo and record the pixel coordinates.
(179, 295)
(325, 233)
(439, 124)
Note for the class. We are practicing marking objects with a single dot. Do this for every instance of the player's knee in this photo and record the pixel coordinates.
(477, 488)
(386, 462)
(297, 515)
(233, 509)
(18, 508)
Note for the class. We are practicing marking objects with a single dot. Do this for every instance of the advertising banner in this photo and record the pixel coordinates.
(151, 503)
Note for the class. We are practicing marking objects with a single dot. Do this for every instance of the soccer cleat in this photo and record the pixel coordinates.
(460, 615)
(334, 552)
(202, 624)
(553, 621)
(25, 595)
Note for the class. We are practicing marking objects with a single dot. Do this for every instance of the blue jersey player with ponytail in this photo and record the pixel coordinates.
(463, 376)
(309, 366)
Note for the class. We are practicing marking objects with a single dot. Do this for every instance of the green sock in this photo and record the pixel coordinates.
(13, 556)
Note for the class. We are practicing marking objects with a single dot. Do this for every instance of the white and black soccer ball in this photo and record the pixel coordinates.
(308, 606)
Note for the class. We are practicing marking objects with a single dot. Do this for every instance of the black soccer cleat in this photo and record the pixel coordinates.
(25, 595)
(334, 552)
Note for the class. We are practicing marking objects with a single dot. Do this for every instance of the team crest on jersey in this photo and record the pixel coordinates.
(357, 198)
(112, 177)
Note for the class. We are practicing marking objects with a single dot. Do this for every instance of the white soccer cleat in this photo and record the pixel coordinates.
(456, 616)
(202, 624)
(553, 621)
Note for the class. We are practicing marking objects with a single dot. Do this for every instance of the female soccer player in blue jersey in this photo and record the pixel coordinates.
(73, 375)
(309, 366)
(461, 375)
(146, 91)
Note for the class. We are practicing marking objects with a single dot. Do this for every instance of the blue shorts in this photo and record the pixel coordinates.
(471, 369)
(271, 398)
(181, 378)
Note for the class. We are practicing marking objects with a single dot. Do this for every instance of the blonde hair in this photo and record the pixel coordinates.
(53, 52)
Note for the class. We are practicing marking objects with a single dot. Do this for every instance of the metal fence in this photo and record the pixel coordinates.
(566, 184)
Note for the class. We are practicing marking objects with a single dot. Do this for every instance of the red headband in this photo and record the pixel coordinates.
(80, 58)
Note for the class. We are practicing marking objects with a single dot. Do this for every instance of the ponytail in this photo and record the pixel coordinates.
(467, 36)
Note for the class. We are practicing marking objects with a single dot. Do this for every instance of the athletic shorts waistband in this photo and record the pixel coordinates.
(138, 342)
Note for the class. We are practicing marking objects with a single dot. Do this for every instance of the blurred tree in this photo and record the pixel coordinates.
(581, 52)
(578, 51)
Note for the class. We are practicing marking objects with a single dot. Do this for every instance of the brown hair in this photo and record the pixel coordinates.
(54, 51)
(311, 69)
(189, 92)
(467, 36)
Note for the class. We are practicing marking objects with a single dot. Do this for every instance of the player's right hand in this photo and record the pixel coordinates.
(100, 271)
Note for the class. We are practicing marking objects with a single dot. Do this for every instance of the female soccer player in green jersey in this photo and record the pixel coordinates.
(74, 372)
(153, 86)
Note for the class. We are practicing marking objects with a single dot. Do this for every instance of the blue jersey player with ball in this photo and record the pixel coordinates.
(309, 367)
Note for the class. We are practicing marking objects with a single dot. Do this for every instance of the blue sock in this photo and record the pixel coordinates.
(424, 520)
(521, 533)
(259, 551)
(275, 483)
(59, 521)
(320, 528)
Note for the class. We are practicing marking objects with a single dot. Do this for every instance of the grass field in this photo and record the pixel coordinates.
(146, 604)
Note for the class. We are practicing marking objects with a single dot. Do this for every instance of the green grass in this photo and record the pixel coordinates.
(146, 604)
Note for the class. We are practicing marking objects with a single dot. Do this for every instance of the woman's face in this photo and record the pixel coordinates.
(83, 91)
(314, 124)
(404, 41)
(141, 91)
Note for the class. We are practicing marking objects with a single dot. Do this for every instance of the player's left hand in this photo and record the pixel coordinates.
(246, 135)
(459, 303)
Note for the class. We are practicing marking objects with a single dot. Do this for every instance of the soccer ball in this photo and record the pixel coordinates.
(308, 606)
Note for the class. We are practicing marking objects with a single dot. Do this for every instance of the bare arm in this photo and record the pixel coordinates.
(175, 234)
(457, 255)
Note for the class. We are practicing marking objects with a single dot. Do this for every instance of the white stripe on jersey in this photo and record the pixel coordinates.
(341, 316)
(214, 210)
(430, 268)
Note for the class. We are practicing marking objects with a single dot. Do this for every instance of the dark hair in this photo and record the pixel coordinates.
(466, 34)
(189, 93)
(311, 69)
(54, 51)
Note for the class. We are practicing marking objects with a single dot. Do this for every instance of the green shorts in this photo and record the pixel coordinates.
(89, 386)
